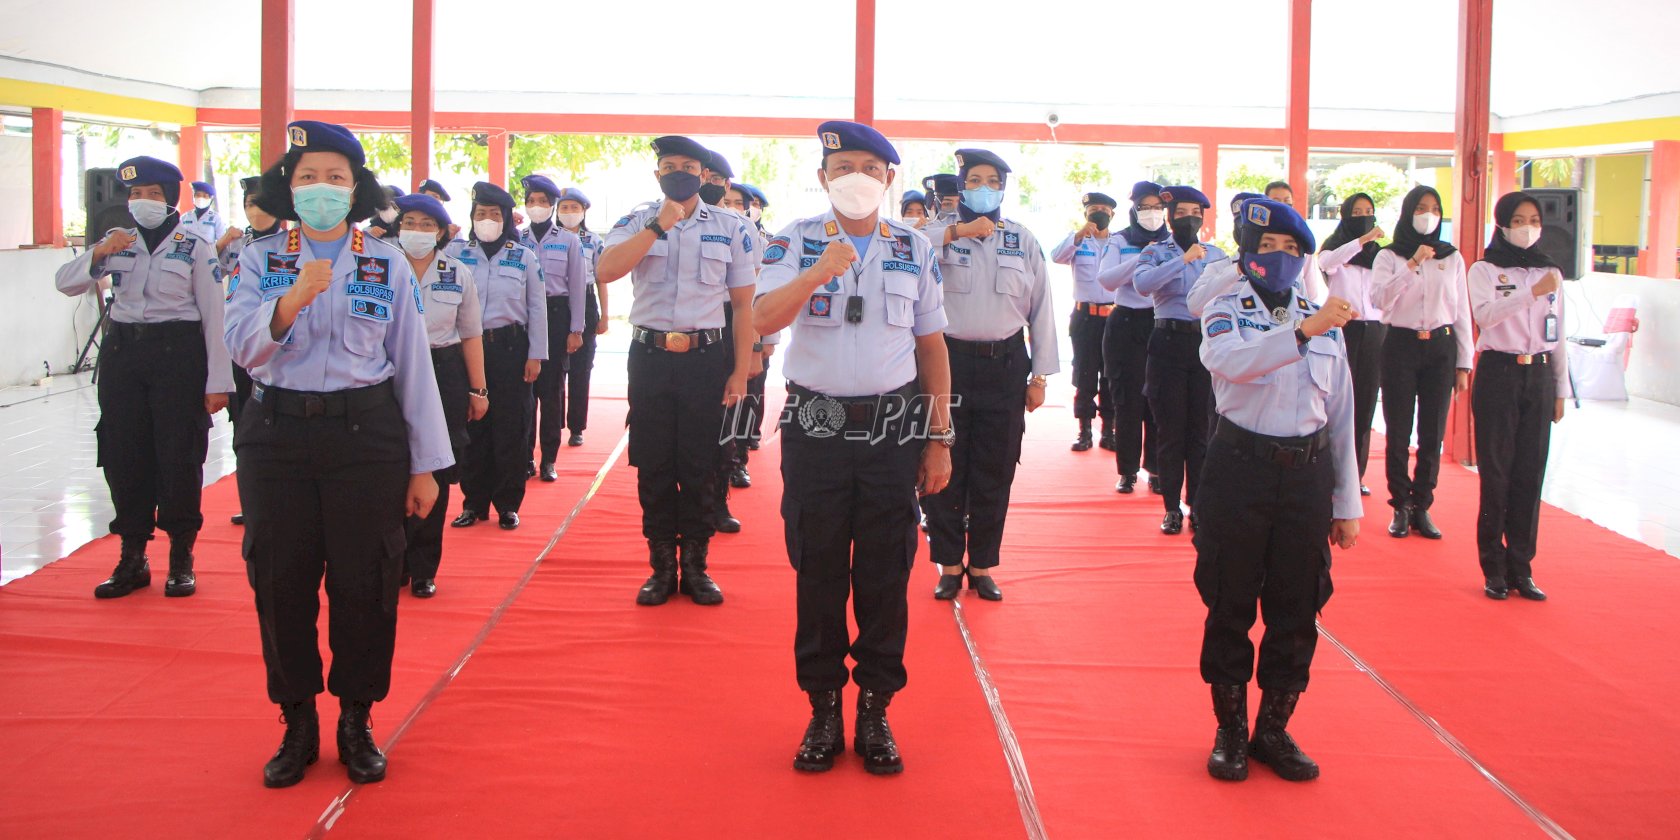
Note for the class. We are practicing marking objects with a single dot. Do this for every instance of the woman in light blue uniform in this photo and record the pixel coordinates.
(338, 442)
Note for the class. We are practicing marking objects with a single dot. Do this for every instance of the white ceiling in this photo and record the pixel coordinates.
(996, 58)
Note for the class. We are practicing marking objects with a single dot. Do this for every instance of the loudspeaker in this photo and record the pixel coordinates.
(1561, 239)
(107, 204)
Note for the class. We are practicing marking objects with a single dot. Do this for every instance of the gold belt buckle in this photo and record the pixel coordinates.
(676, 342)
(1423, 335)
(1525, 360)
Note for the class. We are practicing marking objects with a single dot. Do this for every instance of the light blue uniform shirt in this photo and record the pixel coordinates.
(367, 327)
(899, 283)
(683, 282)
(1268, 384)
(997, 285)
(1162, 274)
(510, 289)
(1085, 256)
(565, 266)
(209, 226)
(180, 281)
(453, 310)
(1117, 269)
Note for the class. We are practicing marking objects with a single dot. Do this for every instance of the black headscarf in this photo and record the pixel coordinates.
(1500, 251)
(153, 237)
(509, 232)
(1344, 233)
(1138, 236)
(1406, 237)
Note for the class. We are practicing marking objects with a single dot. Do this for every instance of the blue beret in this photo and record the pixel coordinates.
(846, 136)
(1239, 198)
(969, 158)
(148, 170)
(313, 136)
(1098, 198)
(540, 184)
(912, 197)
(1144, 189)
(756, 193)
(673, 144)
(942, 184)
(1175, 195)
(252, 185)
(1263, 215)
(485, 192)
(395, 191)
(204, 187)
(425, 204)
(719, 165)
(434, 186)
(573, 194)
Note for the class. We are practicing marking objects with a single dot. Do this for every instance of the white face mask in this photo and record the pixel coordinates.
(1522, 237)
(1425, 223)
(1152, 219)
(570, 220)
(857, 195)
(388, 215)
(148, 212)
(487, 230)
(753, 213)
(417, 243)
(201, 202)
(538, 213)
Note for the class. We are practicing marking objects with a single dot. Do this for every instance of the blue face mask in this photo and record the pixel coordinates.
(1273, 272)
(982, 200)
(321, 206)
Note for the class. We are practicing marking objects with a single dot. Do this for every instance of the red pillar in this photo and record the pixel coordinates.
(46, 170)
(1475, 62)
(1662, 234)
(189, 156)
(863, 95)
(499, 159)
(277, 41)
(423, 101)
(1504, 173)
(1295, 122)
(1210, 187)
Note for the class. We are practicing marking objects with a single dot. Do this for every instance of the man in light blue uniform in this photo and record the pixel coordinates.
(565, 270)
(689, 261)
(1175, 381)
(203, 218)
(1083, 250)
(995, 287)
(338, 444)
(868, 383)
(164, 372)
(512, 292)
(1287, 487)
(1126, 336)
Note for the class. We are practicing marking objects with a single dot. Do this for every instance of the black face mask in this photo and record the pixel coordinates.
(1101, 220)
(712, 193)
(679, 186)
(1362, 225)
(1184, 230)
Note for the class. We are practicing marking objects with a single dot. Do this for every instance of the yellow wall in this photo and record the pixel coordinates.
(1600, 134)
(1619, 189)
(1444, 185)
(93, 103)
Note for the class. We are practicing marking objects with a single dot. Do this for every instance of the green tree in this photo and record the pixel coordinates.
(235, 154)
(569, 155)
(1083, 172)
(1381, 181)
(1553, 172)
(1242, 178)
(387, 154)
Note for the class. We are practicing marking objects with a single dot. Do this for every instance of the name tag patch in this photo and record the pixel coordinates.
(901, 265)
(371, 290)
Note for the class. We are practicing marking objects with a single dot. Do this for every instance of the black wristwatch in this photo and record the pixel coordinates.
(1300, 336)
(758, 347)
(653, 225)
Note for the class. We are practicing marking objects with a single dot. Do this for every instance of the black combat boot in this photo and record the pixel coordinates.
(695, 582)
(1229, 760)
(662, 556)
(874, 738)
(132, 572)
(1083, 442)
(1272, 746)
(182, 582)
(825, 736)
(356, 749)
(299, 747)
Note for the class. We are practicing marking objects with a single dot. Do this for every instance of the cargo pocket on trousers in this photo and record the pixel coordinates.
(1206, 576)
(790, 530)
(99, 443)
(391, 567)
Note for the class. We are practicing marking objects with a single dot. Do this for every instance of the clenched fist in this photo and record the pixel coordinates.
(116, 240)
(314, 279)
(835, 259)
(670, 213)
(1333, 314)
(1196, 252)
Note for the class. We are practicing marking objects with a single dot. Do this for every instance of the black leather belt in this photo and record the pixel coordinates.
(557, 300)
(1425, 335)
(1129, 312)
(446, 353)
(152, 332)
(323, 404)
(985, 349)
(1518, 358)
(676, 342)
(1177, 325)
(860, 412)
(1289, 452)
(510, 332)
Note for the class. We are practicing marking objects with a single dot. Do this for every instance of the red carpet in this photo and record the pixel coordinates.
(582, 715)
